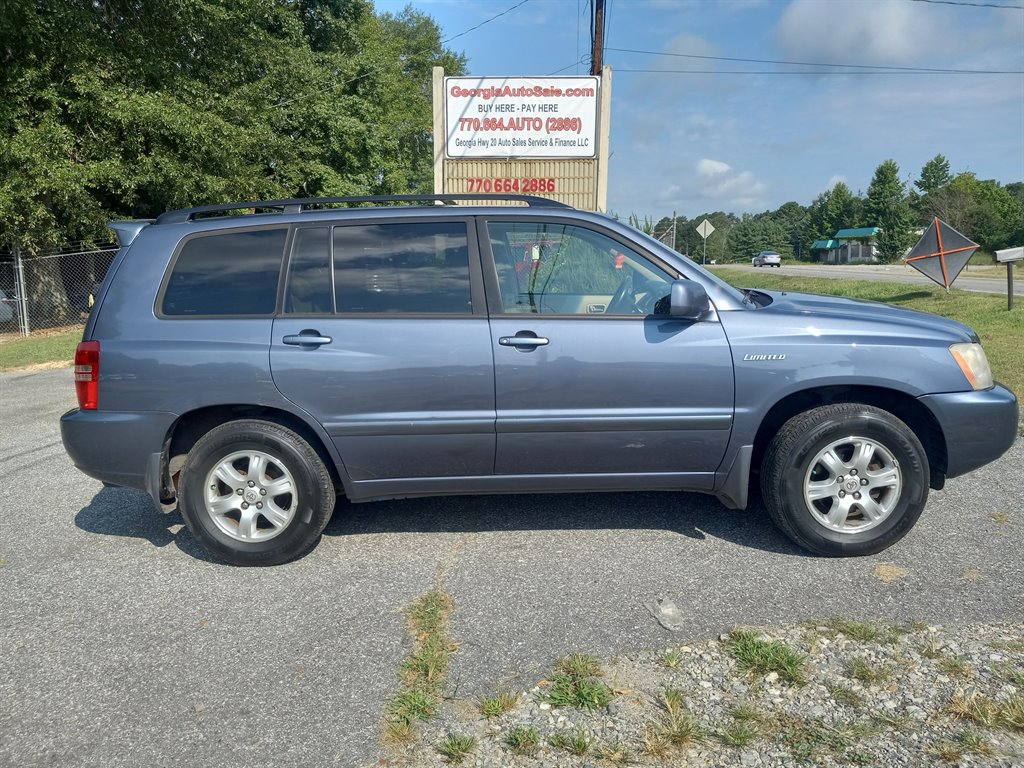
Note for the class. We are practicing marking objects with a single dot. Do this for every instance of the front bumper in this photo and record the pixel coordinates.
(117, 447)
(978, 427)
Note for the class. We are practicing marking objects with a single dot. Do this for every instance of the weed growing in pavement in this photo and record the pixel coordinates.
(1000, 517)
(955, 667)
(422, 673)
(576, 684)
(843, 695)
(499, 704)
(865, 632)
(1010, 672)
(896, 720)
(456, 747)
(573, 742)
(763, 656)
(523, 739)
(861, 669)
(931, 649)
(675, 729)
(1011, 714)
(579, 665)
(615, 753)
(738, 734)
(671, 658)
(969, 742)
(976, 708)
(809, 739)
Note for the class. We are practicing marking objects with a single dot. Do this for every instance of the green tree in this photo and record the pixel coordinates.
(990, 214)
(124, 108)
(934, 175)
(886, 207)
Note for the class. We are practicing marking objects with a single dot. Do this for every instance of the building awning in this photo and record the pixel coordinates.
(824, 245)
(858, 233)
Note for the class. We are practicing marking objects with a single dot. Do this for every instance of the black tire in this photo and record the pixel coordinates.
(800, 453)
(294, 493)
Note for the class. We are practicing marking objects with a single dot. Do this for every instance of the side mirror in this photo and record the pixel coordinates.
(688, 300)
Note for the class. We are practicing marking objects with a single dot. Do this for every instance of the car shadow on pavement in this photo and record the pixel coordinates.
(692, 515)
(127, 512)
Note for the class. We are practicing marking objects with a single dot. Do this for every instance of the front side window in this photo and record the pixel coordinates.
(227, 273)
(552, 268)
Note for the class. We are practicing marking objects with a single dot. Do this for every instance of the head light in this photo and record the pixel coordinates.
(972, 361)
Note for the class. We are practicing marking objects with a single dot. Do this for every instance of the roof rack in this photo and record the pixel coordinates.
(298, 205)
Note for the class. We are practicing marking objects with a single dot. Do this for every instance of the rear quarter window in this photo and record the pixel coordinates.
(226, 273)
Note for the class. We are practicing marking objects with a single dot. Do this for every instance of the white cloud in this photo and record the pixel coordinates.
(706, 167)
(853, 31)
(835, 179)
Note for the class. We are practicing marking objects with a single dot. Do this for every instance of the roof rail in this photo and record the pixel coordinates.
(298, 205)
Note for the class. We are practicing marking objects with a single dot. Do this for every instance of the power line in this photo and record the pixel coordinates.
(815, 72)
(488, 21)
(375, 70)
(973, 5)
(885, 68)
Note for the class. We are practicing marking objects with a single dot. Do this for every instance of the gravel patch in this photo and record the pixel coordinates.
(874, 694)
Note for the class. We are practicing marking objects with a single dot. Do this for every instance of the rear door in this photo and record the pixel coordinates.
(384, 339)
(591, 375)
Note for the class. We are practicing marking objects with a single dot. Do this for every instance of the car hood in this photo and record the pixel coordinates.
(868, 314)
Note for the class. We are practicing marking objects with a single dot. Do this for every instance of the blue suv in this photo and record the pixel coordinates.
(252, 362)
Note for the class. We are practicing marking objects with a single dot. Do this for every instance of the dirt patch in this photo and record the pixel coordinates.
(889, 572)
(48, 366)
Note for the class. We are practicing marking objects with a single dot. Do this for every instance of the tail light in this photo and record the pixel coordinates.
(87, 375)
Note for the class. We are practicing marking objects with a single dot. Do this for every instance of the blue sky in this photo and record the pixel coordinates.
(707, 140)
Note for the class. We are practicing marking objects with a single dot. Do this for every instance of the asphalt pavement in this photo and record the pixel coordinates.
(122, 644)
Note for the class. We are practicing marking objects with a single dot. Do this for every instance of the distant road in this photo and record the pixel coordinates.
(896, 273)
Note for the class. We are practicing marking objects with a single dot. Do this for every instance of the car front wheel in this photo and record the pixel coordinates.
(844, 480)
(255, 493)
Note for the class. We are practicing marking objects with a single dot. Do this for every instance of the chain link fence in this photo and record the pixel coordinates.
(49, 291)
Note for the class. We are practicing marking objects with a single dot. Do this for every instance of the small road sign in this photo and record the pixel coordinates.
(705, 228)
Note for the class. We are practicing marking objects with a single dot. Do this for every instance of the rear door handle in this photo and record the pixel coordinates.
(309, 339)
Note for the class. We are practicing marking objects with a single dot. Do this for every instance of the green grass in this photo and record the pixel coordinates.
(573, 742)
(499, 704)
(764, 656)
(42, 348)
(523, 739)
(998, 329)
(865, 632)
(861, 669)
(422, 674)
(456, 747)
(576, 684)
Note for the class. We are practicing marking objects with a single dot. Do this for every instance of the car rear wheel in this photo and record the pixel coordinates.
(255, 493)
(844, 480)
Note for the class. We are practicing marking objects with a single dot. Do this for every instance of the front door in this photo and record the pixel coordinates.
(591, 375)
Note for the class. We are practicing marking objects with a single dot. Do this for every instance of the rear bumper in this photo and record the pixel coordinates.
(979, 427)
(117, 447)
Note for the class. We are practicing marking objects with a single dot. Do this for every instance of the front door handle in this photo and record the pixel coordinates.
(309, 339)
(523, 339)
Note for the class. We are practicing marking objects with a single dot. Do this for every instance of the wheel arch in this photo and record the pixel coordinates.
(905, 407)
(191, 426)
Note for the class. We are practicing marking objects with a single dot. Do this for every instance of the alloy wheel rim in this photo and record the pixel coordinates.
(852, 485)
(250, 496)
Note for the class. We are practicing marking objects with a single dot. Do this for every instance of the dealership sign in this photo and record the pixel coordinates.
(506, 117)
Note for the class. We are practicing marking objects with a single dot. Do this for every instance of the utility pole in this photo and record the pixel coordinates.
(597, 38)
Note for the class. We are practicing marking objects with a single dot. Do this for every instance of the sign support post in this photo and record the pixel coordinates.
(1009, 256)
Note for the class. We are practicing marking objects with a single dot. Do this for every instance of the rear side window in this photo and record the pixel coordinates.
(229, 273)
(394, 268)
(402, 267)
